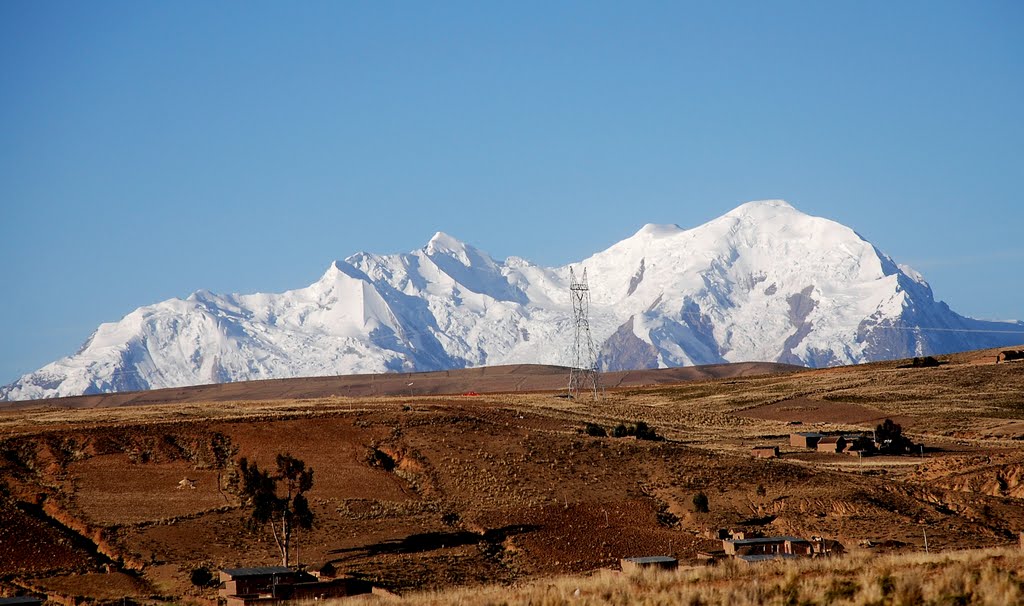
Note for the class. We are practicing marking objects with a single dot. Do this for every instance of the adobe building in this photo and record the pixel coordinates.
(831, 444)
(805, 439)
(661, 562)
(765, 452)
(759, 549)
(767, 548)
(279, 585)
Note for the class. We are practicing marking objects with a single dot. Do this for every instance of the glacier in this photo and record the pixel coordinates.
(764, 282)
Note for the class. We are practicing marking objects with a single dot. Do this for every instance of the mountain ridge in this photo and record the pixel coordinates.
(763, 282)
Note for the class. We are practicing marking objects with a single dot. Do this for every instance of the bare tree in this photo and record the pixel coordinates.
(258, 490)
(224, 450)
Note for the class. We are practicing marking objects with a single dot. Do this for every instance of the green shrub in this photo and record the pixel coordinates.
(594, 430)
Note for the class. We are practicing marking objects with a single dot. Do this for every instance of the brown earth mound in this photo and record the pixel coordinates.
(488, 379)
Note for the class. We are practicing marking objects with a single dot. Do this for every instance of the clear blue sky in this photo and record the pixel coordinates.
(150, 149)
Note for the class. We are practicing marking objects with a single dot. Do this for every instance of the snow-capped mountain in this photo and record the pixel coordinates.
(764, 282)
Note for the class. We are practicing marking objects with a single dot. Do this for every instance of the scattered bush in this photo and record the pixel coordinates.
(700, 502)
(643, 432)
(594, 430)
(889, 436)
(640, 430)
(201, 577)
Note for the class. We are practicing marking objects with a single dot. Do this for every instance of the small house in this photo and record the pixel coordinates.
(765, 452)
(256, 580)
(768, 546)
(1009, 356)
(831, 444)
(662, 562)
(710, 557)
(804, 439)
(271, 585)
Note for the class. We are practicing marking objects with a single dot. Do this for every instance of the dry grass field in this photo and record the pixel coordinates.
(506, 487)
(992, 577)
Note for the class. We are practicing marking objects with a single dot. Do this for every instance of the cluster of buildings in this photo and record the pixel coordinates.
(854, 444)
(858, 445)
(1010, 355)
(738, 546)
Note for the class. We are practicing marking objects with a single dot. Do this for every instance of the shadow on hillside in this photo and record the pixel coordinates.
(429, 541)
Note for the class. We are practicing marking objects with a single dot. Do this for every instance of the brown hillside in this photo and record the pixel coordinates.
(489, 379)
(506, 486)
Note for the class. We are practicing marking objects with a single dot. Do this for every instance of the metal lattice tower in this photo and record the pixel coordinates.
(583, 373)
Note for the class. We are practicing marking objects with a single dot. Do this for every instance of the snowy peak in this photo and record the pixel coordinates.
(762, 282)
(444, 244)
(471, 268)
(763, 208)
(341, 270)
(655, 230)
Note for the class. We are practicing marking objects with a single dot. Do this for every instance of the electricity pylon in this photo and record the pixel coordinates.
(583, 373)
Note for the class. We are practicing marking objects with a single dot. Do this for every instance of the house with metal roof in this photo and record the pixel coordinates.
(785, 546)
(765, 452)
(805, 439)
(831, 444)
(278, 585)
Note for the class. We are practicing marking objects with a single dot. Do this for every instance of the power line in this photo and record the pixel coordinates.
(584, 368)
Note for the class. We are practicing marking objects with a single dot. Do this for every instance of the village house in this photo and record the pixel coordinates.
(278, 585)
(805, 439)
(765, 452)
(662, 562)
(831, 444)
(765, 548)
(1009, 356)
(758, 549)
